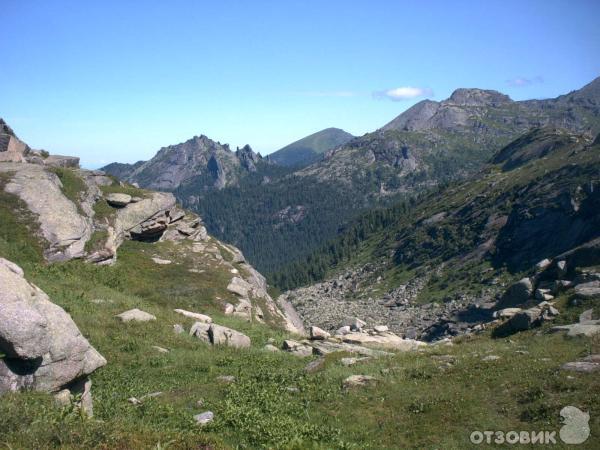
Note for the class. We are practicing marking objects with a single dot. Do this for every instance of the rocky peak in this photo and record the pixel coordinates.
(248, 159)
(477, 97)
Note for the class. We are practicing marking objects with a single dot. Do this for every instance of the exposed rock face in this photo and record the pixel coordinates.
(61, 224)
(201, 159)
(11, 148)
(45, 349)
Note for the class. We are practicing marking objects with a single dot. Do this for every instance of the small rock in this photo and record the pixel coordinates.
(192, 315)
(351, 361)
(228, 309)
(297, 349)
(160, 349)
(544, 263)
(491, 358)
(134, 401)
(204, 418)
(317, 333)
(135, 315)
(381, 328)
(160, 261)
(315, 365)
(226, 379)
(200, 403)
(358, 381)
(292, 389)
(270, 348)
(343, 330)
(178, 328)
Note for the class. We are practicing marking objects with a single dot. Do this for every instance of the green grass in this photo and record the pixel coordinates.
(418, 402)
(72, 185)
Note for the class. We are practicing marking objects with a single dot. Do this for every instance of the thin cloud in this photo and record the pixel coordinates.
(523, 82)
(328, 93)
(403, 93)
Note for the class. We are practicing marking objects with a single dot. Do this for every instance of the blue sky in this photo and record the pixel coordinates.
(117, 80)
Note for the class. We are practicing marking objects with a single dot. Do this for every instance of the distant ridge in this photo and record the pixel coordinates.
(309, 149)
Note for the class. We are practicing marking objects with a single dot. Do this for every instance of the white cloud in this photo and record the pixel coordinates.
(403, 93)
(522, 81)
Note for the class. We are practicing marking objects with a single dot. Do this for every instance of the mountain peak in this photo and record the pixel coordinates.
(477, 97)
(307, 150)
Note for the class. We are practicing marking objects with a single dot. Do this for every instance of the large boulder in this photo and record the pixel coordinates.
(517, 294)
(61, 224)
(44, 349)
(62, 161)
(386, 340)
(239, 287)
(219, 335)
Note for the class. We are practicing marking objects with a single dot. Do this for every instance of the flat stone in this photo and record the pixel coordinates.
(160, 261)
(352, 361)
(118, 200)
(297, 349)
(270, 348)
(315, 365)
(588, 290)
(581, 366)
(160, 349)
(226, 379)
(578, 329)
(381, 328)
(192, 315)
(358, 381)
(135, 315)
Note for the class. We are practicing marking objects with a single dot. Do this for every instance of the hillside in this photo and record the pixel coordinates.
(309, 149)
(457, 246)
(280, 217)
(100, 299)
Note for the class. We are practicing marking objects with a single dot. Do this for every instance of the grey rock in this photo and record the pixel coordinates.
(317, 333)
(586, 316)
(239, 287)
(204, 418)
(118, 200)
(220, 335)
(63, 356)
(517, 294)
(354, 381)
(271, 348)
(62, 161)
(588, 290)
(226, 379)
(315, 365)
(135, 315)
(62, 226)
(193, 315)
(297, 349)
(587, 329)
(178, 328)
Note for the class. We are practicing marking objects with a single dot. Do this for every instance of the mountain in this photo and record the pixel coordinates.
(309, 149)
(199, 158)
(459, 245)
(279, 214)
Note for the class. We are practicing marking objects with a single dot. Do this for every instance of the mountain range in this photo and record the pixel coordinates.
(264, 207)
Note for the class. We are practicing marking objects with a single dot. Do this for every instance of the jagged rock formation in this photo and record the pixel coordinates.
(12, 149)
(92, 216)
(200, 159)
(44, 349)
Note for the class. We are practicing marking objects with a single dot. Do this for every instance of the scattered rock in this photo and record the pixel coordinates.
(239, 287)
(381, 328)
(192, 315)
(204, 418)
(588, 290)
(354, 323)
(297, 349)
(270, 348)
(587, 329)
(315, 365)
(178, 328)
(118, 200)
(352, 361)
(358, 381)
(219, 335)
(226, 379)
(491, 358)
(543, 295)
(160, 349)
(543, 264)
(135, 315)
(343, 330)
(134, 401)
(507, 313)
(160, 261)
(588, 364)
(317, 333)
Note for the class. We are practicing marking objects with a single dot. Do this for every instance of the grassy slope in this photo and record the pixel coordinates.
(416, 404)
